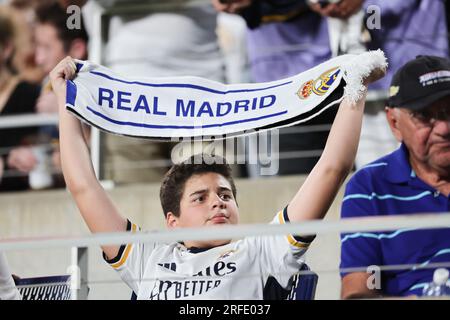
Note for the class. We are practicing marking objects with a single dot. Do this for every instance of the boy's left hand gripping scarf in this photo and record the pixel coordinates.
(165, 108)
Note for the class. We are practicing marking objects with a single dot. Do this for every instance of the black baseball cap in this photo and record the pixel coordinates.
(420, 82)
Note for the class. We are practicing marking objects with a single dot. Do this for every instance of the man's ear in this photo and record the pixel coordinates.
(392, 115)
(171, 220)
(78, 49)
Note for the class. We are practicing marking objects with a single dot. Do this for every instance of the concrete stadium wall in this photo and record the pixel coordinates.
(53, 213)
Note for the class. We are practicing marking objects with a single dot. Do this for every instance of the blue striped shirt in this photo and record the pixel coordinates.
(387, 187)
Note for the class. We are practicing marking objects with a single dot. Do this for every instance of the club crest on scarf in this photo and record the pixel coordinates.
(320, 86)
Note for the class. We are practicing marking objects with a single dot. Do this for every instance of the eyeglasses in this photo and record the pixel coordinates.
(429, 117)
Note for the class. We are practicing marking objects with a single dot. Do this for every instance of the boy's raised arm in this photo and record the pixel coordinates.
(96, 207)
(315, 196)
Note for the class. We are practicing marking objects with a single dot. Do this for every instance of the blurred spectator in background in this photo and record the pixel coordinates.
(54, 41)
(16, 97)
(403, 29)
(24, 60)
(347, 30)
(179, 41)
(39, 164)
(407, 30)
(286, 38)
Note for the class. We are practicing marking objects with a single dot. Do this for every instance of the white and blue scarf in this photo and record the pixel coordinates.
(165, 108)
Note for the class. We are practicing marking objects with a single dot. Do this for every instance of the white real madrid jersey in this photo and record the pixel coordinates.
(238, 270)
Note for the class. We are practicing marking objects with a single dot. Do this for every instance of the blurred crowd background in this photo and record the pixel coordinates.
(226, 41)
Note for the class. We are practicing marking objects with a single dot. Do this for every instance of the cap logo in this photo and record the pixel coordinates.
(393, 91)
(434, 77)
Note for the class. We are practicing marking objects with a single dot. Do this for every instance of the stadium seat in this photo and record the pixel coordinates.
(44, 288)
(303, 286)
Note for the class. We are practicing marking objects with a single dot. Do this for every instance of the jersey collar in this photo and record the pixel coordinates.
(194, 249)
(398, 168)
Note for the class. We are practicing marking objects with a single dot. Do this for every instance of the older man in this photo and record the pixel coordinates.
(413, 179)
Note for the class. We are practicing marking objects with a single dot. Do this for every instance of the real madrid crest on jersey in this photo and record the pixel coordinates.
(226, 254)
(319, 86)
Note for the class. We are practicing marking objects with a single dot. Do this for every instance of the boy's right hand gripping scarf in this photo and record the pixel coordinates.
(165, 108)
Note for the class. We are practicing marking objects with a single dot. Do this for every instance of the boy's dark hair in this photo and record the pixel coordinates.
(55, 15)
(172, 187)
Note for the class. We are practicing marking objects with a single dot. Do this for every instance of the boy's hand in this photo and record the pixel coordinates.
(64, 70)
(375, 75)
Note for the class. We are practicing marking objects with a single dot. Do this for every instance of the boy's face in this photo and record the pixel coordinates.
(207, 200)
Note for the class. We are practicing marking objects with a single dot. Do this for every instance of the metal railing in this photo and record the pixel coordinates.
(79, 244)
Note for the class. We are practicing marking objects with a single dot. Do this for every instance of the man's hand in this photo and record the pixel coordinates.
(47, 103)
(354, 286)
(347, 8)
(231, 6)
(22, 159)
(342, 9)
(64, 70)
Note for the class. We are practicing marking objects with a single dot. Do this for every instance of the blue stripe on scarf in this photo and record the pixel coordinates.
(183, 85)
(155, 126)
(71, 92)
